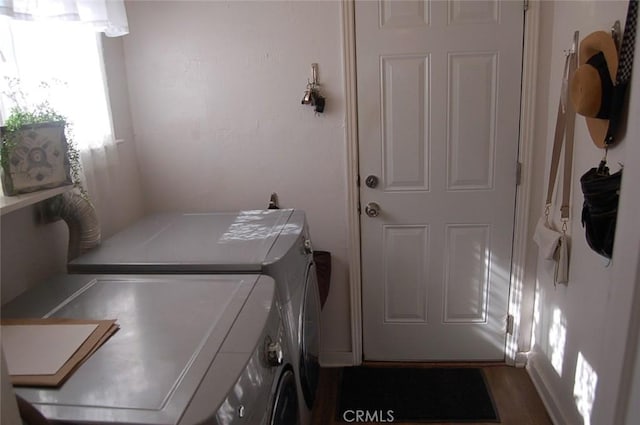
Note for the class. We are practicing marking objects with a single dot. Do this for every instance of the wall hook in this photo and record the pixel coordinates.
(574, 45)
(314, 72)
(615, 34)
(312, 94)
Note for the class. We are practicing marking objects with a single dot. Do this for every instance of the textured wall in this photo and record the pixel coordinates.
(576, 340)
(215, 91)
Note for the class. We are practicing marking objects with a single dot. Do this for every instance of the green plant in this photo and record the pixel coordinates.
(25, 112)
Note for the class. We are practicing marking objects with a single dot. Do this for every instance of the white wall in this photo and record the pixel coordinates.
(215, 93)
(633, 401)
(580, 330)
(32, 251)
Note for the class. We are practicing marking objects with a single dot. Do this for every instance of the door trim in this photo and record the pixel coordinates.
(353, 190)
(522, 288)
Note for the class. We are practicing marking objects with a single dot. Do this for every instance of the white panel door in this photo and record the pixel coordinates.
(438, 117)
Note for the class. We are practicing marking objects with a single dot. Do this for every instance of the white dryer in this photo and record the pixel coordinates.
(190, 350)
(271, 242)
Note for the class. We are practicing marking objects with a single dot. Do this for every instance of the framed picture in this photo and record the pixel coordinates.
(36, 158)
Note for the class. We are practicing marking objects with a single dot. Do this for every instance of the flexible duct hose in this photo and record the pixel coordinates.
(81, 218)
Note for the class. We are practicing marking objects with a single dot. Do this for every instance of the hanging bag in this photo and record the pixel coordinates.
(553, 244)
(600, 188)
(600, 209)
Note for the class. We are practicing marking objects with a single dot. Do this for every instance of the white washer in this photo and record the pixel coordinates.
(271, 242)
(190, 350)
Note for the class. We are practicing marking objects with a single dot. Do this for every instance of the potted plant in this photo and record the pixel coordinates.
(36, 146)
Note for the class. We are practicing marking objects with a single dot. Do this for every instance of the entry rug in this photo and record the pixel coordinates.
(387, 395)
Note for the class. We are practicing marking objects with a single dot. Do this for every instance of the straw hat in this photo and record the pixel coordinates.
(592, 85)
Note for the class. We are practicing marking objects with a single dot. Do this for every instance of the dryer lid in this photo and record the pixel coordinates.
(172, 330)
(199, 242)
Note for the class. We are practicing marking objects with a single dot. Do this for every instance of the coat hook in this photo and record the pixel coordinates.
(615, 34)
(312, 94)
(314, 74)
(574, 45)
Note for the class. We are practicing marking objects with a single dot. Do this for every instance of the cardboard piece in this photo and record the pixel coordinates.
(42, 349)
(103, 330)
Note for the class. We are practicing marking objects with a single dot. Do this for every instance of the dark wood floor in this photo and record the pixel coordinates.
(515, 397)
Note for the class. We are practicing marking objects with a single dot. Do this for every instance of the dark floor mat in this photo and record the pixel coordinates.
(378, 395)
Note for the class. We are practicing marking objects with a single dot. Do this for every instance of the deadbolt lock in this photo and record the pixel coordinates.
(371, 181)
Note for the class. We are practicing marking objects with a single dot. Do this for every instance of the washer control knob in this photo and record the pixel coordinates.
(274, 354)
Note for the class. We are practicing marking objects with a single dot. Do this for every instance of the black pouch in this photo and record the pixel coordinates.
(600, 209)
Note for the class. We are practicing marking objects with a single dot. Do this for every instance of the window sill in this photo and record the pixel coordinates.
(13, 203)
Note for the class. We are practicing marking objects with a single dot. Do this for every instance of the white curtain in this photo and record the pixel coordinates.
(56, 42)
(107, 16)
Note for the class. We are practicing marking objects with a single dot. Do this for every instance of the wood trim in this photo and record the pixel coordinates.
(519, 295)
(353, 191)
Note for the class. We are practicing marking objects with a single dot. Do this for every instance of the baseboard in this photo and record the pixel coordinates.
(545, 393)
(521, 360)
(337, 359)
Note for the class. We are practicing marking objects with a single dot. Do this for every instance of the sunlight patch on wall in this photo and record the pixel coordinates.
(557, 339)
(584, 388)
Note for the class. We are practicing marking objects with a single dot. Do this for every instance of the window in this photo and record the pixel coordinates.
(67, 57)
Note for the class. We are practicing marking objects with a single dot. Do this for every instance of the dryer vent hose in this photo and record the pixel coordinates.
(81, 218)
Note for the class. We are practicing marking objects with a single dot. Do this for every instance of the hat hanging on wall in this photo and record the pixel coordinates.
(592, 85)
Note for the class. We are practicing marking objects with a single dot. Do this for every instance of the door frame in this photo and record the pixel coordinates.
(522, 286)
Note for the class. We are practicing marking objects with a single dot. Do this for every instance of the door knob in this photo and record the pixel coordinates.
(372, 209)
